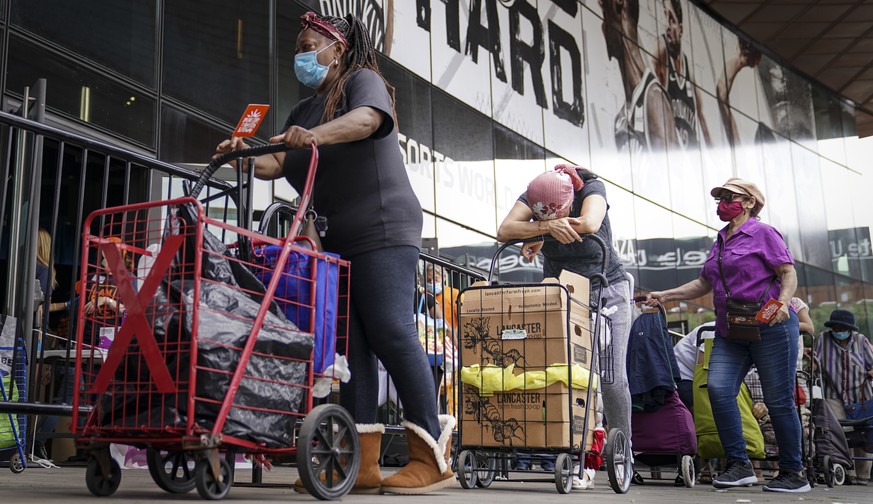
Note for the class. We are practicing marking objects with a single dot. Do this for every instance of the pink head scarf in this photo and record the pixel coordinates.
(315, 22)
(550, 195)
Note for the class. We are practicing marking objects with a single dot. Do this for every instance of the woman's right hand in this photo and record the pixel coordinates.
(655, 298)
(230, 145)
(529, 250)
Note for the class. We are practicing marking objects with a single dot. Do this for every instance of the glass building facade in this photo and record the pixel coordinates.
(489, 94)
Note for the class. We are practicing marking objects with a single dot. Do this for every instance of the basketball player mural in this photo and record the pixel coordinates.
(641, 124)
(674, 73)
(747, 56)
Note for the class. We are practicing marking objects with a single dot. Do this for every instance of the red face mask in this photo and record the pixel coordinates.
(729, 211)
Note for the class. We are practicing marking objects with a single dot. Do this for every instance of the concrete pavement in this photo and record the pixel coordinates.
(67, 484)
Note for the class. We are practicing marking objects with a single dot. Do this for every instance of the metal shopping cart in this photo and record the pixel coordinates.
(202, 358)
(13, 388)
(529, 367)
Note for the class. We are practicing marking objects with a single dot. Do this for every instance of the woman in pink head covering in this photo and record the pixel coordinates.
(564, 204)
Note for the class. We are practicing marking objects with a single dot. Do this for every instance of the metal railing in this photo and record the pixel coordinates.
(52, 179)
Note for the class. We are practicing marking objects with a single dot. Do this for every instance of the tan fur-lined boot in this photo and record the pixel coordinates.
(369, 479)
(428, 468)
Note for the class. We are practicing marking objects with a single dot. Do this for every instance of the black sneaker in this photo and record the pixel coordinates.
(739, 473)
(39, 452)
(788, 482)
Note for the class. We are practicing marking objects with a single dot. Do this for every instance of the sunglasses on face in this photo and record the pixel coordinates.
(731, 197)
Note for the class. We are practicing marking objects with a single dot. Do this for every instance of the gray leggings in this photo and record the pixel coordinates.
(616, 395)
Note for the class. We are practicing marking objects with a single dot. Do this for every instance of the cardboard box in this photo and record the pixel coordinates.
(540, 418)
(528, 326)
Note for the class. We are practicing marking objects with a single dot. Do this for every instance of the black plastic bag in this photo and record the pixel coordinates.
(225, 320)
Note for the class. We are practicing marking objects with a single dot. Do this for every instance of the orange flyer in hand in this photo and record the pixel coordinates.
(768, 311)
(251, 120)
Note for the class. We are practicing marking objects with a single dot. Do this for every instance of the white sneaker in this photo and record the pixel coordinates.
(44, 463)
(585, 482)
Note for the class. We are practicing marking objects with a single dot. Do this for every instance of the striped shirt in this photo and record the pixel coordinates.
(844, 369)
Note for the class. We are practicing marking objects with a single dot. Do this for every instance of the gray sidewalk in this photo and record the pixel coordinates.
(67, 484)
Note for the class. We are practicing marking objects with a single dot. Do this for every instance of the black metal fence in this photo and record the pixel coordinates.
(51, 180)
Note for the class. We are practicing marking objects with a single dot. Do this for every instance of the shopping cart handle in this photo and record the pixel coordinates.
(640, 299)
(217, 162)
(700, 334)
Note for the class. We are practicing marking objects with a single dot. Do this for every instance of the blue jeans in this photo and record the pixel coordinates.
(776, 359)
(382, 324)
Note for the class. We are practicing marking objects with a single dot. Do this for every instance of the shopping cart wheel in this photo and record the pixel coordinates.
(208, 486)
(839, 474)
(827, 466)
(467, 474)
(172, 471)
(619, 461)
(328, 452)
(687, 470)
(564, 473)
(487, 469)
(16, 463)
(100, 484)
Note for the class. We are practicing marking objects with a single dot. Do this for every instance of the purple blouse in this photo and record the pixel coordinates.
(750, 258)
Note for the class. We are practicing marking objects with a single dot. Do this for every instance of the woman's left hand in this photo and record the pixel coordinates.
(562, 230)
(296, 137)
(781, 316)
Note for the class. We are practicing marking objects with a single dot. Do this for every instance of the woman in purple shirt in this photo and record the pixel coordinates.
(756, 265)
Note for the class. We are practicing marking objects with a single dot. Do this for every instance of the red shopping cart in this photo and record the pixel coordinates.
(198, 351)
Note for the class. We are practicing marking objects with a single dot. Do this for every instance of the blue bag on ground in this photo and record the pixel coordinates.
(294, 296)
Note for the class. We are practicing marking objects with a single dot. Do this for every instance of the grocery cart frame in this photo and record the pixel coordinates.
(479, 465)
(325, 441)
(17, 422)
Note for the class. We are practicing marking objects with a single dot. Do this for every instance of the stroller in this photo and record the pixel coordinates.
(662, 429)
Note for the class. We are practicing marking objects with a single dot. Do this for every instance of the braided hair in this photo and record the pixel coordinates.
(360, 53)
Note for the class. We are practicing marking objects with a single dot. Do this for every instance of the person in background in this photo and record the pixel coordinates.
(750, 261)
(375, 222)
(446, 295)
(47, 277)
(805, 323)
(846, 359)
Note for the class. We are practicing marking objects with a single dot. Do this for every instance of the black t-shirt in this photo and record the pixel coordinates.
(361, 187)
(586, 257)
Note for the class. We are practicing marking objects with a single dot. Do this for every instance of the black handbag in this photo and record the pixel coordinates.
(741, 321)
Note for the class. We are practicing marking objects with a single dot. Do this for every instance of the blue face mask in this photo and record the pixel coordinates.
(434, 288)
(841, 335)
(308, 70)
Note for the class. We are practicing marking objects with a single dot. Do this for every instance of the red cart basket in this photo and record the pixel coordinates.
(196, 350)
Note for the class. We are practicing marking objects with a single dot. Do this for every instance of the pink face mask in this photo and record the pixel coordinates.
(729, 211)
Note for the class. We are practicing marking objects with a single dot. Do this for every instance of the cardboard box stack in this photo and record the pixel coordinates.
(530, 327)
